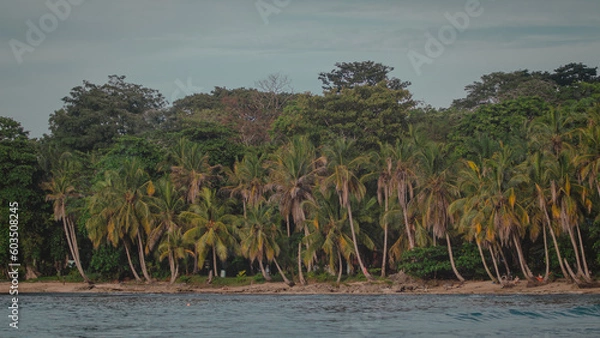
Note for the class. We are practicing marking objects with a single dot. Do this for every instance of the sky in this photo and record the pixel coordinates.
(181, 47)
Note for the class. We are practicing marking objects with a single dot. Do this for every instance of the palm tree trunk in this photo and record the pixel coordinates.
(172, 266)
(586, 272)
(496, 265)
(244, 206)
(576, 250)
(460, 278)
(563, 218)
(135, 274)
(195, 270)
(547, 274)
(360, 262)
(402, 199)
(309, 266)
(300, 274)
(506, 267)
(262, 270)
(285, 280)
(524, 268)
(142, 258)
(385, 240)
(409, 233)
(214, 254)
(572, 274)
(483, 261)
(341, 266)
(560, 260)
(287, 224)
(385, 236)
(72, 243)
(176, 270)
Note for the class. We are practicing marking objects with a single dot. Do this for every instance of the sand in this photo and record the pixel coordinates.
(402, 285)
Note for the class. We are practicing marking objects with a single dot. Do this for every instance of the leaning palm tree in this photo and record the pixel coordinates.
(436, 190)
(469, 211)
(133, 212)
(293, 173)
(342, 176)
(569, 198)
(506, 208)
(329, 231)
(209, 227)
(102, 206)
(258, 238)
(540, 167)
(60, 190)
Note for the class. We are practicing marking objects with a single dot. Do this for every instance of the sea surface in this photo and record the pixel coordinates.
(213, 315)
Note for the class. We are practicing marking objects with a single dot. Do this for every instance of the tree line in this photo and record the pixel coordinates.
(361, 179)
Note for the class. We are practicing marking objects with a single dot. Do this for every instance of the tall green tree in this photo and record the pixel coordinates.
(21, 177)
(93, 115)
(360, 73)
(369, 114)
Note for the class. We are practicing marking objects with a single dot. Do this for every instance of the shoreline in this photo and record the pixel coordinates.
(359, 288)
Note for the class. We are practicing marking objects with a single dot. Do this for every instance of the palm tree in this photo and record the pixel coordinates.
(259, 234)
(191, 170)
(509, 216)
(133, 212)
(384, 161)
(60, 190)
(471, 213)
(540, 167)
(293, 175)
(175, 247)
(209, 227)
(247, 180)
(588, 161)
(567, 210)
(435, 193)
(404, 179)
(329, 231)
(103, 206)
(165, 207)
(343, 170)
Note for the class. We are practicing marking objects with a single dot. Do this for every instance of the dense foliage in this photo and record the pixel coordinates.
(361, 178)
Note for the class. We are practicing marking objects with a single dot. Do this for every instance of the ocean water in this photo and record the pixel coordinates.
(213, 315)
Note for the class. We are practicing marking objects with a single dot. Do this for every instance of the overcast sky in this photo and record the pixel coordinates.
(184, 46)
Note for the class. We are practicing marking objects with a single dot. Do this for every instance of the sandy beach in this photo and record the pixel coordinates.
(377, 287)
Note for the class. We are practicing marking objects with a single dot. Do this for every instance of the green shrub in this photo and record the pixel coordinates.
(434, 263)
